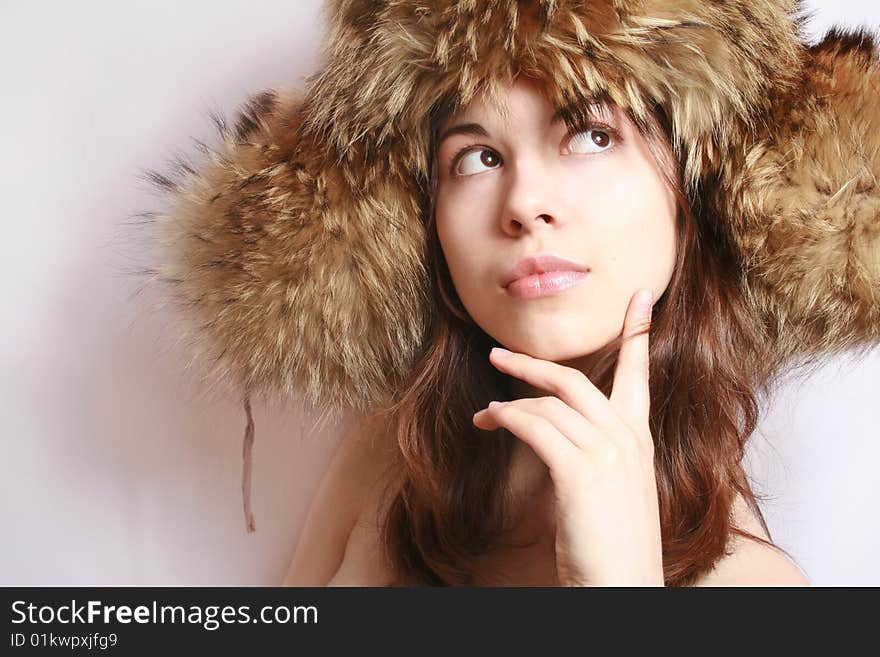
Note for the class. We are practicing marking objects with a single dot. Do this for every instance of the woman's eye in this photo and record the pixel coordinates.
(592, 140)
(470, 163)
(588, 141)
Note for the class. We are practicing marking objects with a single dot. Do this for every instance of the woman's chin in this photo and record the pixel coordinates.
(558, 348)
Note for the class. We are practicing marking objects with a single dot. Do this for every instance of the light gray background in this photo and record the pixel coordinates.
(117, 468)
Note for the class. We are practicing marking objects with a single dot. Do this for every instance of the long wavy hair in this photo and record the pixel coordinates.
(705, 371)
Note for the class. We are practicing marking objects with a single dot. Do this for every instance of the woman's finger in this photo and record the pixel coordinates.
(630, 395)
(569, 384)
(567, 421)
(551, 446)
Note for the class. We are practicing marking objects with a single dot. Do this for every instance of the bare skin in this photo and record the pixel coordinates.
(750, 564)
(534, 565)
(340, 545)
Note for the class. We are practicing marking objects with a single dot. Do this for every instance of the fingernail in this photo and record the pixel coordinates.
(493, 404)
(500, 353)
(645, 300)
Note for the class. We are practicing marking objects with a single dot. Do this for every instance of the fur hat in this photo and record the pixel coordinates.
(296, 252)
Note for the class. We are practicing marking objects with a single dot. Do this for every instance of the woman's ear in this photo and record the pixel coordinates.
(274, 253)
(809, 223)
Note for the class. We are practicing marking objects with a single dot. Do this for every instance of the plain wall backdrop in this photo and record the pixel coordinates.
(117, 468)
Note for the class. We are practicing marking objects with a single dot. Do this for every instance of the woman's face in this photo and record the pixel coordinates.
(513, 188)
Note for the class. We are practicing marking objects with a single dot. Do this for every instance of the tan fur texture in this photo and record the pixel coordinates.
(804, 205)
(296, 253)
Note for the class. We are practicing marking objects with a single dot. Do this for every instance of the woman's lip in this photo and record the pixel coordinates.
(541, 285)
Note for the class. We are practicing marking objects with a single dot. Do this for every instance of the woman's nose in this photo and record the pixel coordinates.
(530, 203)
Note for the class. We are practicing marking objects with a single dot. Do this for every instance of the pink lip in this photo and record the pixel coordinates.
(543, 274)
(541, 285)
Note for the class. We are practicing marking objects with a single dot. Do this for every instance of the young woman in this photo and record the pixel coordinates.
(475, 175)
(574, 500)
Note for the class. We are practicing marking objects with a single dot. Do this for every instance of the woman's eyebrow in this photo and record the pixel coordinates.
(463, 129)
(480, 131)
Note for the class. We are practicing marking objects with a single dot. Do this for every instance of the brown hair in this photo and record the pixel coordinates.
(451, 506)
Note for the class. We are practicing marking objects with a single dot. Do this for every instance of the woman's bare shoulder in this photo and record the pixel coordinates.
(750, 562)
(361, 472)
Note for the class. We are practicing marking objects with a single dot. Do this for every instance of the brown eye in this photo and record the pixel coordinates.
(602, 140)
(471, 162)
(593, 140)
(488, 158)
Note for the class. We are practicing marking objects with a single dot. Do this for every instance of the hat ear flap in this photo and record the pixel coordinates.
(294, 270)
(809, 224)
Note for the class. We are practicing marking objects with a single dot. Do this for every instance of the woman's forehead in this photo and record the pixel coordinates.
(518, 104)
(526, 92)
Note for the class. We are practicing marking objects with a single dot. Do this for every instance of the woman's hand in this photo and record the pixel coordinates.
(600, 454)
